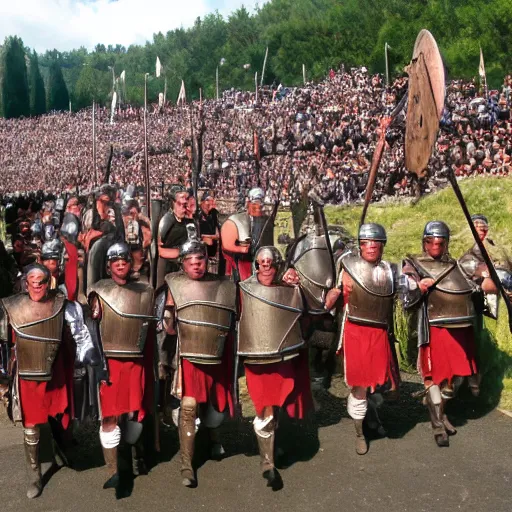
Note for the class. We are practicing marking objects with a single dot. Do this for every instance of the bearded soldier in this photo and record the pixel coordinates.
(38, 324)
(272, 346)
(243, 233)
(438, 287)
(367, 284)
(124, 310)
(203, 306)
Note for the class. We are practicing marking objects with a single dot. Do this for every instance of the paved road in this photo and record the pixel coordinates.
(404, 472)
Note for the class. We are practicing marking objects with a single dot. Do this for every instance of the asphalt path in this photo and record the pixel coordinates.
(320, 470)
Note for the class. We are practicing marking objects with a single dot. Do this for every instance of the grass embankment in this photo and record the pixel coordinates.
(404, 223)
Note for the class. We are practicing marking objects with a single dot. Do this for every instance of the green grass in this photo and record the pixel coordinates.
(404, 223)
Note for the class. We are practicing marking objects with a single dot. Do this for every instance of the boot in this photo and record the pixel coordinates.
(361, 444)
(450, 429)
(217, 451)
(61, 444)
(436, 418)
(187, 431)
(372, 418)
(139, 464)
(110, 456)
(31, 443)
(266, 449)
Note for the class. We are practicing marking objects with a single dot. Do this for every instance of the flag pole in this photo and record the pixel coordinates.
(304, 73)
(256, 85)
(217, 82)
(146, 159)
(387, 63)
(95, 169)
(264, 66)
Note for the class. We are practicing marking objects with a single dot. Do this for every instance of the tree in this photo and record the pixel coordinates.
(92, 84)
(36, 87)
(15, 97)
(58, 97)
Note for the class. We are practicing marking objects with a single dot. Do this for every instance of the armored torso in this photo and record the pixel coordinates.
(126, 314)
(269, 325)
(449, 303)
(205, 309)
(38, 329)
(371, 299)
(253, 228)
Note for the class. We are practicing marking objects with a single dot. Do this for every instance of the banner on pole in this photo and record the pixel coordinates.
(481, 67)
(159, 67)
(182, 96)
(113, 107)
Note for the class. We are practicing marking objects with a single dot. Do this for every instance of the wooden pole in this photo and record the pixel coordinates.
(256, 85)
(95, 169)
(264, 66)
(387, 64)
(146, 159)
(217, 81)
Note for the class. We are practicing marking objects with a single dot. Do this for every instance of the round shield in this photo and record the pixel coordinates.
(425, 102)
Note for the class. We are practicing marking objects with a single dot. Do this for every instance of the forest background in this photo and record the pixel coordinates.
(321, 34)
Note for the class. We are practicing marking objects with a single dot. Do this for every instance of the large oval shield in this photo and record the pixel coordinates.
(425, 102)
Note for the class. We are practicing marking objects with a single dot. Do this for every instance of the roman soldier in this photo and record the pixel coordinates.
(38, 326)
(172, 234)
(51, 258)
(437, 286)
(312, 257)
(201, 308)
(273, 350)
(473, 265)
(209, 229)
(243, 233)
(74, 263)
(366, 285)
(124, 310)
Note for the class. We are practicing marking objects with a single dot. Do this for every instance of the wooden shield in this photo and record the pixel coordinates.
(425, 102)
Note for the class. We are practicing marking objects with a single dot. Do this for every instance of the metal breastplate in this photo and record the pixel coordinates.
(269, 324)
(205, 309)
(371, 299)
(313, 261)
(126, 313)
(38, 329)
(449, 303)
(251, 229)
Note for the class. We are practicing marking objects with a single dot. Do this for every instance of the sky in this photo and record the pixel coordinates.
(67, 24)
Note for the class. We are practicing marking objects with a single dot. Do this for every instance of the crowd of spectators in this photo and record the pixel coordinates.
(322, 134)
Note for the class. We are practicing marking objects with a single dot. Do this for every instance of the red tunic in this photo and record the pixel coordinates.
(369, 358)
(125, 391)
(244, 265)
(284, 384)
(71, 270)
(39, 400)
(450, 353)
(204, 381)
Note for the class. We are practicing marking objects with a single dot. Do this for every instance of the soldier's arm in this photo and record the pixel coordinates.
(229, 238)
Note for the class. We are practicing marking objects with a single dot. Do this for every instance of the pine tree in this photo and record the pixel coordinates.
(15, 98)
(36, 87)
(58, 97)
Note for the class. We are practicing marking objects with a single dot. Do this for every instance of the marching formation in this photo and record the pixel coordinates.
(130, 322)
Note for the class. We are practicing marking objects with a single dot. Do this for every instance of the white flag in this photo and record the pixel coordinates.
(122, 76)
(160, 99)
(158, 67)
(182, 96)
(113, 107)
(481, 67)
